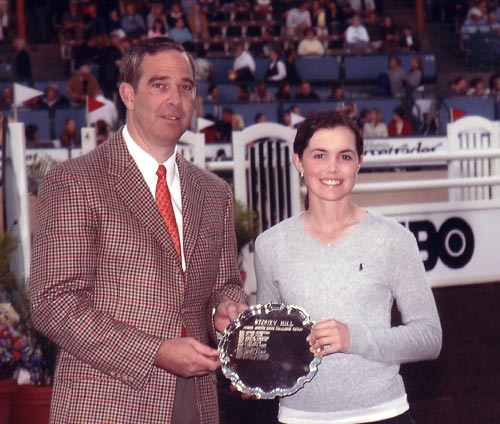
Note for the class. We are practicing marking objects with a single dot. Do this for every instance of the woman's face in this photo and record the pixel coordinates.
(330, 164)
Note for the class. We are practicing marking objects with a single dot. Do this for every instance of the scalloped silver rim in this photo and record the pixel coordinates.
(239, 322)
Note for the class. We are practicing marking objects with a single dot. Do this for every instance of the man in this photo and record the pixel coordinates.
(356, 35)
(129, 298)
(243, 66)
(297, 19)
(81, 85)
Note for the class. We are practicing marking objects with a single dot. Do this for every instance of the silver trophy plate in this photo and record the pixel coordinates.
(264, 352)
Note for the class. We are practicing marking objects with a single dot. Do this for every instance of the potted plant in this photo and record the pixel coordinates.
(14, 347)
(246, 229)
(37, 171)
(27, 359)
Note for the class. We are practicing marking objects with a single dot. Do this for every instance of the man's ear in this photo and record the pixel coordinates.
(127, 95)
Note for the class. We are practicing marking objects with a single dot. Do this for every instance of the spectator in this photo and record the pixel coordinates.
(211, 132)
(180, 33)
(158, 29)
(7, 98)
(230, 122)
(399, 126)
(362, 7)
(72, 25)
(108, 73)
(114, 23)
(156, 12)
(22, 60)
(297, 19)
(408, 41)
(107, 113)
(102, 131)
(52, 99)
(198, 23)
(175, 14)
(284, 91)
(494, 84)
(94, 24)
(262, 9)
(292, 74)
(335, 21)
(31, 136)
(260, 118)
(458, 86)
(203, 66)
(310, 45)
(70, 134)
(318, 18)
(213, 94)
(375, 126)
(477, 87)
(81, 85)
(414, 76)
(243, 93)
(261, 94)
(86, 53)
(397, 77)
(336, 93)
(132, 22)
(289, 115)
(356, 35)
(374, 30)
(390, 35)
(363, 117)
(276, 69)
(305, 92)
(243, 65)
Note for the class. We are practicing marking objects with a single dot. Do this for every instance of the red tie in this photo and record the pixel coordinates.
(164, 203)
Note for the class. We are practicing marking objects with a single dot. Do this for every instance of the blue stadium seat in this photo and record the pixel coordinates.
(324, 69)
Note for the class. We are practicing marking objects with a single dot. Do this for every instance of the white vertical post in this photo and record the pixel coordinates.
(16, 199)
(89, 139)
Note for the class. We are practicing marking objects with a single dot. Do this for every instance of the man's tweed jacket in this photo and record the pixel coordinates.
(107, 285)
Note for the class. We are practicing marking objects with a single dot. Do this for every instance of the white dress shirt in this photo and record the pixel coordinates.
(148, 166)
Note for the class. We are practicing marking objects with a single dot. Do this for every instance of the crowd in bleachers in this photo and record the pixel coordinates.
(253, 58)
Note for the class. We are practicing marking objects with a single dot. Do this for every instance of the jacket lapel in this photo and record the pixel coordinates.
(135, 193)
(193, 197)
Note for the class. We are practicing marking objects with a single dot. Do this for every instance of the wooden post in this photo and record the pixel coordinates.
(419, 5)
(20, 19)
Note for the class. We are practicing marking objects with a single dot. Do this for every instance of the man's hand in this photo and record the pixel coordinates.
(186, 357)
(226, 312)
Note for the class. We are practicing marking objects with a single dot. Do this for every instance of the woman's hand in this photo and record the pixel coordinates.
(328, 337)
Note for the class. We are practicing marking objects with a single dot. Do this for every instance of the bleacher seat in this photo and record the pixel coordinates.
(367, 68)
(319, 70)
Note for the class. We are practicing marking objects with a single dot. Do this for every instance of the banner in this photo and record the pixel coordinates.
(459, 241)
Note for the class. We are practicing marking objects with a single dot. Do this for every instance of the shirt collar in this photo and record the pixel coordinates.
(147, 164)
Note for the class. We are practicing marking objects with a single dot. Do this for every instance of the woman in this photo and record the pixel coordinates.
(375, 126)
(413, 79)
(347, 266)
(310, 45)
(70, 135)
(400, 125)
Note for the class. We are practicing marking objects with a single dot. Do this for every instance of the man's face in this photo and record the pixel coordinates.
(161, 106)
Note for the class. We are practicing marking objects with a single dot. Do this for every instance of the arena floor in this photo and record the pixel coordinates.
(461, 387)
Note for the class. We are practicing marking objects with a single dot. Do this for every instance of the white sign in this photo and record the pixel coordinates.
(459, 242)
(395, 146)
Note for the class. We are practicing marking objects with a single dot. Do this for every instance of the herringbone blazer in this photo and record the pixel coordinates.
(107, 285)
